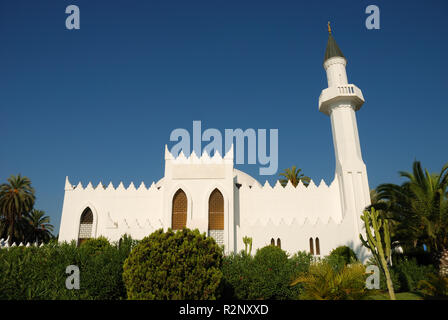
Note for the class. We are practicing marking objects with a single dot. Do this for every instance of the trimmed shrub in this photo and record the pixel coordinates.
(272, 274)
(174, 265)
(345, 252)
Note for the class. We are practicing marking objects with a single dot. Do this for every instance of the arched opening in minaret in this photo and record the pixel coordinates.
(216, 216)
(317, 247)
(311, 246)
(272, 242)
(85, 226)
(179, 212)
(279, 243)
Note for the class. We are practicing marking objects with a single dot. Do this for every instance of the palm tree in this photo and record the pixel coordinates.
(16, 198)
(292, 174)
(38, 227)
(419, 208)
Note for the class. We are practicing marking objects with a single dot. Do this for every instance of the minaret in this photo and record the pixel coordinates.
(340, 101)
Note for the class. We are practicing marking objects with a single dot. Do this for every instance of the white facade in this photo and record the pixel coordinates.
(297, 216)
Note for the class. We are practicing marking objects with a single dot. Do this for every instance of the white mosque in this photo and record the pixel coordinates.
(208, 193)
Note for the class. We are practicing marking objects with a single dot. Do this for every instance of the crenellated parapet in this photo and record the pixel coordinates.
(110, 187)
(289, 205)
(205, 158)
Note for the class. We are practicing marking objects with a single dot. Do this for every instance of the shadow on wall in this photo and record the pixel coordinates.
(362, 252)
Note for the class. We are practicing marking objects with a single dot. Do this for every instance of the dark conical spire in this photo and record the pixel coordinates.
(333, 49)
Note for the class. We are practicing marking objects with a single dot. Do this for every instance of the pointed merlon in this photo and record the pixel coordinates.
(229, 154)
(181, 157)
(168, 155)
(311, 185)
(278, 185)
(323, 184)
(205, 156)
(193, 157)
(68, 185)
(300, 185)
(289, 185)
(267, 185)
(217, 156)
(142, 186)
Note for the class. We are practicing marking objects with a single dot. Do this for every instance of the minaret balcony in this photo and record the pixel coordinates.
(346, 93)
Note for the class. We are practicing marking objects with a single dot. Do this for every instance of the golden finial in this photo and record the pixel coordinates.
(329, 28)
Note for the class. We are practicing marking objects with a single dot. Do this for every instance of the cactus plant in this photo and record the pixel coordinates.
(247, 242)
(378, 243)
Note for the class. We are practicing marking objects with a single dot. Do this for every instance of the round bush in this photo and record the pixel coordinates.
(174, 265)
(346, 253)
(272, 274)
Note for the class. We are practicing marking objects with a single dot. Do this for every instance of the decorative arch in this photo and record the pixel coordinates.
(279, 243)
(85, 225)
(317, 247)
(216, 216)
(311, 246)
(179, 210)
(216, 211)
(272, 242)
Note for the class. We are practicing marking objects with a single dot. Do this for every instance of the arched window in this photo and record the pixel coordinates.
(279, 243)
(179, 214)
(317, 247)
(272, 242)
(85, 226)
(216, 216)
(311, 246)
(216, 211)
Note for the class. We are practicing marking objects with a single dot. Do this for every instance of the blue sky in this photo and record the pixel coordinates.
(99, 103)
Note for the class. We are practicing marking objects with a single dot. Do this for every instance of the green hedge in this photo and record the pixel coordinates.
(267, 275)
(40, 272)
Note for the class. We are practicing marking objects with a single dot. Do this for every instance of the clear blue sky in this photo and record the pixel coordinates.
(99, 103)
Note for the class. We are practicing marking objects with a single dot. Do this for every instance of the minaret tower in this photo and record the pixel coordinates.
(340, 101)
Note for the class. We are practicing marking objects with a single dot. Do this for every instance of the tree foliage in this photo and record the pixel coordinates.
(174, 265)
(294, 175)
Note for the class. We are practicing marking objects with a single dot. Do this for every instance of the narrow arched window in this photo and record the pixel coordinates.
(216, 216)
(179, 214)
(317, 247)
(272, 242)
(311, 246)
(279, 243)
(85, 226)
